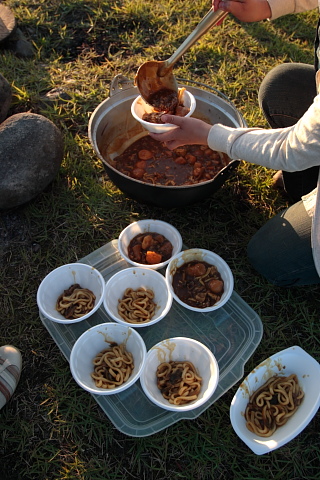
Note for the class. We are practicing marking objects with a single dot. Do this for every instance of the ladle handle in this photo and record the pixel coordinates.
(208, 21)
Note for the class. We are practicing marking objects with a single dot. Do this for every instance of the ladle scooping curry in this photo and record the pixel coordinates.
(155, 79)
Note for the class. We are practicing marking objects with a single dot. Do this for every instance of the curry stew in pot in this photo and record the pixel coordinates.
(152, 162)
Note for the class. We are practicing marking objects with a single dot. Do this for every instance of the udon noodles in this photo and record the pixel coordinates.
(178, 382)
(273, 404)
(112, 367)
(75, 302)
(137, 306)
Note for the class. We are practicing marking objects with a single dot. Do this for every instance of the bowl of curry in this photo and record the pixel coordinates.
(149, 243)
(150, 118)
(200, 280)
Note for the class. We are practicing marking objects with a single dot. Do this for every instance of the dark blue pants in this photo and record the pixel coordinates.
(281, 249)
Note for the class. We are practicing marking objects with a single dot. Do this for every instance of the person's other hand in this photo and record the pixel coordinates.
(191, 131)
(245, 10)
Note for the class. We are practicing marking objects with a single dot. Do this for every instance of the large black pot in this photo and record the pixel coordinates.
(112, 129)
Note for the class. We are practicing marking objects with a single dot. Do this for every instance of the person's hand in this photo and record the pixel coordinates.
(191, 131)
(245, 10)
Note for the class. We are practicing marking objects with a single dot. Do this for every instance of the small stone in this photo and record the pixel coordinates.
(57, 95)
(35, 247)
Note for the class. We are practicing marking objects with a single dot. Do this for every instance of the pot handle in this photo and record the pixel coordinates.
(224, 174)
(231, 167)
(119, 83)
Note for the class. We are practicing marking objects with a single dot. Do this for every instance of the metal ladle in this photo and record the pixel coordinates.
(154, 75)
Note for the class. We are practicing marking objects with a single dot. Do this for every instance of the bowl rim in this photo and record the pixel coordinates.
(130, 381)
(75, 320)
(155, 266)
(192, 405)
(199, 250)
(148, 272)
(262, 445)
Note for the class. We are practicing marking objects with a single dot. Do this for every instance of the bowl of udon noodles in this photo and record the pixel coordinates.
(71, 293)
(277, 400)
(108, 358)
(199, 280)
(180, 374)
(137, 296)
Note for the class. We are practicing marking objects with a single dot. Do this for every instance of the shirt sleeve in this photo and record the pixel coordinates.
(291, 149)
(280, 8)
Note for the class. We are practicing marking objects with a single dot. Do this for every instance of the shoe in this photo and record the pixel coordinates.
(10, 370)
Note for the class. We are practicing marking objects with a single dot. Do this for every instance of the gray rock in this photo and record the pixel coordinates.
(19, 45)
(8, 22)
(5, 97)
(31, 152)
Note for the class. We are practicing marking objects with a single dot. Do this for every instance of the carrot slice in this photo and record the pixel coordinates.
(152, 257)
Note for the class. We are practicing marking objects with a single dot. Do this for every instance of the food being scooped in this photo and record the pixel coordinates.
(153, 76)
(166, 101)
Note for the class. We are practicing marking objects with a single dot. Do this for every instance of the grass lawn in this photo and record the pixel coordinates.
(52, 429)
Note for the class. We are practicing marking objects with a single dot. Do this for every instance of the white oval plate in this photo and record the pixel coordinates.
(292, 360)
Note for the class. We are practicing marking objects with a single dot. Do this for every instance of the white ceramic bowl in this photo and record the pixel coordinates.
(212, 258)
(139, 107)
(289, 361)
(180, 349)
(144, 226)
(60, 279)
(97, 339)
(136, 277)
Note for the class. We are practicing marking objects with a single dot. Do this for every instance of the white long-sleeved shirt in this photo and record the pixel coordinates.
(290, 149)
(280, 8)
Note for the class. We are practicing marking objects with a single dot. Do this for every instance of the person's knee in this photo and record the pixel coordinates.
(286, 93)
(268, 261)
(261, 260)
(276, 269)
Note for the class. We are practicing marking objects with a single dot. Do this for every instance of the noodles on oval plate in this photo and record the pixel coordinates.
(273, 404)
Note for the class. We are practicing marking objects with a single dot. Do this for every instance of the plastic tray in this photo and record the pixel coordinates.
(232, 332)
